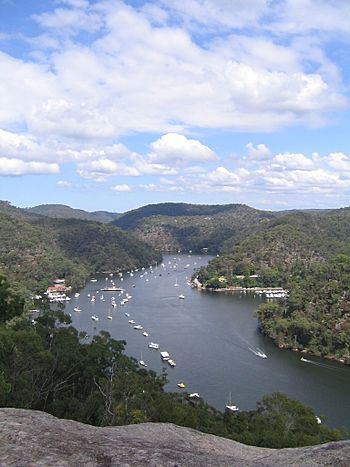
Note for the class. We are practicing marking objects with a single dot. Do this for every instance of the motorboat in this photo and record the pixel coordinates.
(145, 334)
(181, 385)
(182, 296)
(109, 317)
(94, 318)
(171, 362)
(138, 327)
(153, 345)
(132, 321)
(164, 356)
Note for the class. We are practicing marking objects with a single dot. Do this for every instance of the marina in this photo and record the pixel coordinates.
(213, 339)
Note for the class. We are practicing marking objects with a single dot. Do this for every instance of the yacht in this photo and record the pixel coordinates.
(94, 318)
(171, 362)
(138, 326)
(229, 407)
(181, 296)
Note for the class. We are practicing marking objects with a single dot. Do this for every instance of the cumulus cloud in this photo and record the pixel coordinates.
(124, 188)
(259, 152)
(175, 147)
(160, 77)
(14, 167)
(64, 184)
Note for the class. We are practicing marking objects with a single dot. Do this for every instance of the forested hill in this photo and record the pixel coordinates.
(35, 249)
(180, 226)
(307, 253)
(62, 211)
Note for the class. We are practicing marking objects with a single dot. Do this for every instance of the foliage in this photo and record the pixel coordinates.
(50, 366)
(308, 254)
(60, 211)
(35, 250)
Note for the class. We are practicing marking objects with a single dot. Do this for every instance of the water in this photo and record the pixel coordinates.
(211, 337)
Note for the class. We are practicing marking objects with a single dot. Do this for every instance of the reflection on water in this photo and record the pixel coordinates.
(213, 338)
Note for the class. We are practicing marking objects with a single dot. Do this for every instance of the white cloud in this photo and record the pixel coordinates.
(12, 167)
(175, 147)
(64, 184)
(292, 161)
(159, 77)
(124, 188)
(259, 153)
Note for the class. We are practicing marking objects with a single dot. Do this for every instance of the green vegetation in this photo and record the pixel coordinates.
(35, 250)
(308, 254)
(60, 211)
(179, 226)
(47, 365)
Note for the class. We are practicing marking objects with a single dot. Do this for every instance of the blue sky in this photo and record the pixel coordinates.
(112, 105)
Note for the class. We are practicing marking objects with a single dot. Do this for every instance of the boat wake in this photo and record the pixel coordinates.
(321, 365)
(258, 352)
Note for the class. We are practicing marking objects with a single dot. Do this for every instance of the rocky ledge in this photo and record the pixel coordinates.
(32, 438)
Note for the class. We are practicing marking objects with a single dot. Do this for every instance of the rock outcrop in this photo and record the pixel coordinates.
(32, 438)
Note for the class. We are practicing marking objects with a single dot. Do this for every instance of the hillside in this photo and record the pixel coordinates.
(307, 253)
(179, 226)
(73, 444)
(36, 249)
(61, 211)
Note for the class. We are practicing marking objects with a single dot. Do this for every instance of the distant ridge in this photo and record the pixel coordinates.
(196, 227)
(130, 219)
(61, 211)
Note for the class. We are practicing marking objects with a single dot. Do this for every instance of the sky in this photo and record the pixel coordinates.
(112, 105)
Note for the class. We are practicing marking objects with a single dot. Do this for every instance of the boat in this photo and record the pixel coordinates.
(153, 345)
(164, 355)
(141, 361)
(109, 317)
(77, 309)
(194, 395)
(94, 318)
(132, 321)
(181, 385)
(93, 280)
(138, 326)
(171, 362)
(229, 407)
(258, 352)
(145, 334)
(176, 284)
(77, 294)
(181, 296)
(112, 289)
(305, 360)
(127, 314)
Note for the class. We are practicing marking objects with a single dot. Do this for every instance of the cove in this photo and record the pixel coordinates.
(211, 337)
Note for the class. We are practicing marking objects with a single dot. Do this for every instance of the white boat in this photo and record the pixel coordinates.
(93, 280)
(138, 326)
(176, 284)
(94, 318)
(145, 334)
(153, 345)
(181, 296)
(305, 360)
(132, 321)
(164, 356)
(109, 317)
(127, 314)
(229, 407)
(141, 361)
(171, 362)
(77, 294)
(77, 309)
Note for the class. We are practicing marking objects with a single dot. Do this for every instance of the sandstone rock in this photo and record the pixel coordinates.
(32, 438)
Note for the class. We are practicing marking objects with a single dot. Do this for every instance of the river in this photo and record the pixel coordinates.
(211, 338)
